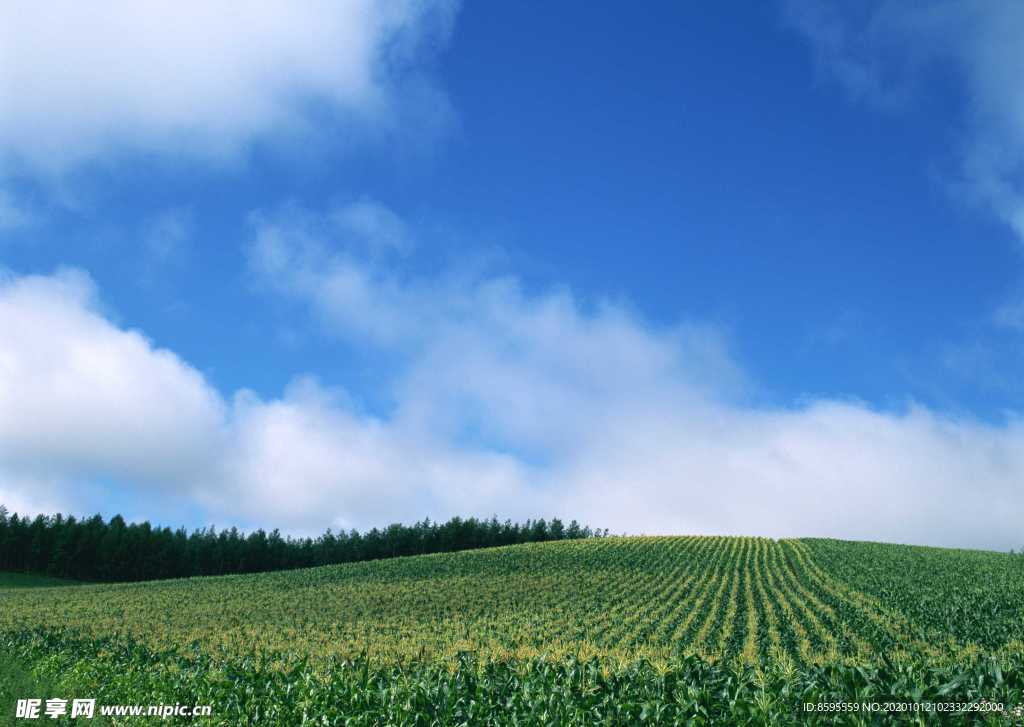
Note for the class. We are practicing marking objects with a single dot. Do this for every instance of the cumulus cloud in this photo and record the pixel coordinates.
(83, 400)
(313, 460)
(502, 401)
(79, 395)
(79, 83)
(885, 52)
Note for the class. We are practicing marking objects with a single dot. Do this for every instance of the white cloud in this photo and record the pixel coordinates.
(313, 461)
(81, 396)
(343, 267)
(80, 83)
(634, 427)
(504, 402)
(828, 469)
(883, 53)
(83, 400)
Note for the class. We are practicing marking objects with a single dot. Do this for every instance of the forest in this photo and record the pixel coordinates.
(92, 549)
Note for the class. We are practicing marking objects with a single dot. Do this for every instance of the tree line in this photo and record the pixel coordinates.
(92, 549)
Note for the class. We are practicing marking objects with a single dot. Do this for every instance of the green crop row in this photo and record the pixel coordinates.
(777, 618)
(289, 690)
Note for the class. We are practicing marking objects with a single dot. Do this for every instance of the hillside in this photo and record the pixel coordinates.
(794, 609)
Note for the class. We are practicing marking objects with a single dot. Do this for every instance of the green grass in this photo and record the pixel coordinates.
(16, 678)
(27, 580)
(18, 682)
(579, 632)
(15, 683)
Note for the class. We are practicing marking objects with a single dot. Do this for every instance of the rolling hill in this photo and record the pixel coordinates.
(610, 629)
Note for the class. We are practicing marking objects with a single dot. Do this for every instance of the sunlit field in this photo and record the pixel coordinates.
(611, 630)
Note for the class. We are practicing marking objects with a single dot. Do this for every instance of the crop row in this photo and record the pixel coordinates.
(571, 691)
(728, 600)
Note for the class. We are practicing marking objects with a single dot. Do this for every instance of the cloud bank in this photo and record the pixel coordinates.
(81, 83)
(502, 401)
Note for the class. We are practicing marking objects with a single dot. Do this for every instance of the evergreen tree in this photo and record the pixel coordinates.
(94, 550)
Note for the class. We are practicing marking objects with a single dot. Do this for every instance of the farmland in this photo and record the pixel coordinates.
(610, 629)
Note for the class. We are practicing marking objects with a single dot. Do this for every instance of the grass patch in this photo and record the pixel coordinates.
(17, 681)
(30, 580)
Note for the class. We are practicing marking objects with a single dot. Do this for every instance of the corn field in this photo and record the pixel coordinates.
(666, 630)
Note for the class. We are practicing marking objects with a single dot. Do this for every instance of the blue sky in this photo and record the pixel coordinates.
(695, 269)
